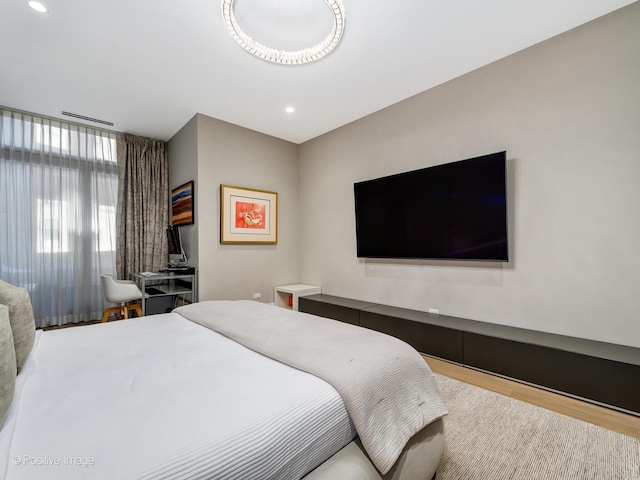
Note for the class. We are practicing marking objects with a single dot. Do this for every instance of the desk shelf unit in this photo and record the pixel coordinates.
(287, 295)
(164, 285)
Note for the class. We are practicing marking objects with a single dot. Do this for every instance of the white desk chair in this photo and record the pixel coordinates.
(120, 292)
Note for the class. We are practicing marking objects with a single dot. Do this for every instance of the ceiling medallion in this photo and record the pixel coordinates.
(286, 57)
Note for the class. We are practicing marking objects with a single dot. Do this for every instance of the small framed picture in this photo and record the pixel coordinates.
(248, 215)
(182, 205)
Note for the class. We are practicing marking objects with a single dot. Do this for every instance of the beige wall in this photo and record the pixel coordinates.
(228, 154)
(567, 111)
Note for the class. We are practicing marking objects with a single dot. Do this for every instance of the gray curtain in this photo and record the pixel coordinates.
(143, 205)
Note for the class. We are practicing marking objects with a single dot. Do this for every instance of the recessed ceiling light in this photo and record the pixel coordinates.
(37, 6)
(289, 109)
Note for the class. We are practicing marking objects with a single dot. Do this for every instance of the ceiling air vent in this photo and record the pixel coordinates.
(88, 119)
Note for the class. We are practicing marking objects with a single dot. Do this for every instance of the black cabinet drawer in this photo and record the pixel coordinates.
(430, 339)
(606, 381)
(329, 310)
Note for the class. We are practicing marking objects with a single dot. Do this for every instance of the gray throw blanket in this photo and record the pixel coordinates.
(387, 387)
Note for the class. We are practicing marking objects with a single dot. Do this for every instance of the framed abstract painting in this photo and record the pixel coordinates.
(182, 205)
(248, 215)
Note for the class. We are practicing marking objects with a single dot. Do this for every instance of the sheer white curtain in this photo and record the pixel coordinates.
(58, 194)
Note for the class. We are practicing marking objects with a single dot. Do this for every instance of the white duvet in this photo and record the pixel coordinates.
(387, 387)
(162, 397)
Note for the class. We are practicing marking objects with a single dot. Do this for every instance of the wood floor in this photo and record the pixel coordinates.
(69, 325)
(587, 412)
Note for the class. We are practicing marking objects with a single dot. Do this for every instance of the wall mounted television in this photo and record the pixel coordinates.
(454, 211)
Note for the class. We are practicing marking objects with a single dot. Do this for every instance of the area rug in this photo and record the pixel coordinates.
(492, 437)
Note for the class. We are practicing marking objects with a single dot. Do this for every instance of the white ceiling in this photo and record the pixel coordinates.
(150, 65)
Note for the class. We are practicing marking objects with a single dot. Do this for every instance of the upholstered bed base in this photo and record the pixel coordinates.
(419, 460)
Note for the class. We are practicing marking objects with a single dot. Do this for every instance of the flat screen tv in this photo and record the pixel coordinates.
(455, 211)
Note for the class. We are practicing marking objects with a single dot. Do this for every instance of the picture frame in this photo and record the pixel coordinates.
(182, 205)
(248, 215)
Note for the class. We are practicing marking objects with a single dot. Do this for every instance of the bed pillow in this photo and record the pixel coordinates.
(7, 364)
(23, 325)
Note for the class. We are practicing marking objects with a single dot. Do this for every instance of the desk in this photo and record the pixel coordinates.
(171, 284)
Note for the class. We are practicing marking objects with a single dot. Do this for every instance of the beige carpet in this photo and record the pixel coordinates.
(490, 436)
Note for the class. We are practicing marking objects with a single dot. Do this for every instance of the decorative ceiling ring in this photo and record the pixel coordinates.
(286, 57)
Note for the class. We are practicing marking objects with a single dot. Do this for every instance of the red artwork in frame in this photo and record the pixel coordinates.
(248, 215)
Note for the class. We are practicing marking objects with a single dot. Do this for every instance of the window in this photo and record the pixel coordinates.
(104, 228)
(58, 193)
(52, 226)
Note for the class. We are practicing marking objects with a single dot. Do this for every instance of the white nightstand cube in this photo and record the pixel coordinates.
(287, 295)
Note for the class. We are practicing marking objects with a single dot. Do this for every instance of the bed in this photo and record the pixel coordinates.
(224, 390)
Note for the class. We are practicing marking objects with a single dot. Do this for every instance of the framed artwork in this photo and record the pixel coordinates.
(248, 215)
(182, 205)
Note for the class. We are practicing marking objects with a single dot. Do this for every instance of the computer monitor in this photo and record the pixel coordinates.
(176, 252)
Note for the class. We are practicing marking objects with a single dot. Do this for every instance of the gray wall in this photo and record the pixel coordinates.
(228, 154)
(568, 113)
(183, 167)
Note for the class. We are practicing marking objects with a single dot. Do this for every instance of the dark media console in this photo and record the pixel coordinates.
(598, 372)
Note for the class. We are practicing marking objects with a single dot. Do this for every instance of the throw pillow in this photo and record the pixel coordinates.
(7, 364)
(21, 318)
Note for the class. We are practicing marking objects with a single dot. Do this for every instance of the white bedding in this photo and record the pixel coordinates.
(387, 387)
(161, 397)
